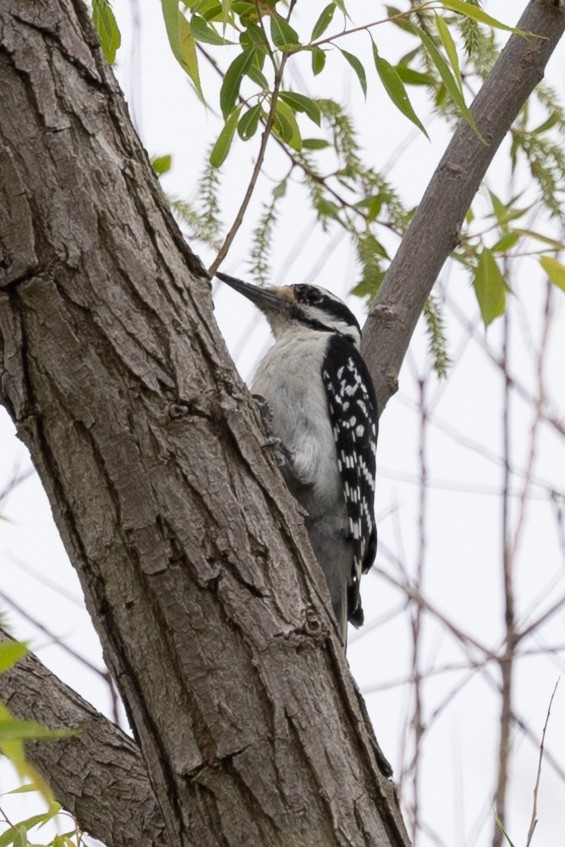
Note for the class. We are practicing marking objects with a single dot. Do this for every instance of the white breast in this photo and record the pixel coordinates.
(290, 379)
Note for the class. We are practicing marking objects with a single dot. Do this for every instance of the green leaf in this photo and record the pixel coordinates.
(508, 240)
(370, 254)
(372, 204)
(548, 124)
(10, 835)
(283, 35)
(411, 77)
(341, 6)
(315, 143)
(18, 834)
(449, 81)
(14, 729)
(490, 287)
(24, 789)
(280, 190)
(161, 164)
(395, 89)
(226, 9)
(182, 42)
(398, 18)
(505, 212)
(209, 9)
(256, 75)
(108, 30)
(557, 245)
(450, 48)
(253, 36)
(10, 653)
(247, 126)
(247, 11)
(555, 271)
(232, 80)
(318, 60)
(501, 828)
(371, 248)
(222, 146)
(285, 125)
(357, 66)
(369, 287)
(258, 78)
(323, 22)
(327, 209)
(300, 103)
(202, 31)
(499, 208)
(477, 14)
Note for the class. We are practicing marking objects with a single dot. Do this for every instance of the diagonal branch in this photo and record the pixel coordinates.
(95, 773)
(435, 228)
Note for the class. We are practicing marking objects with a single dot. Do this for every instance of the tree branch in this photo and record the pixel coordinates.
(97, 774)
(435, 228)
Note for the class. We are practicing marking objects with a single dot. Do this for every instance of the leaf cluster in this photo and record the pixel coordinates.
(202, 215)
(451, 47)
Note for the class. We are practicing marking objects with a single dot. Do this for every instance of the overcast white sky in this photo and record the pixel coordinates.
(463, 442)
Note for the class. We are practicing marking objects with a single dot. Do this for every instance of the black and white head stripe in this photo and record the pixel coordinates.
(309, 305)
(353, 413)
(319, 306)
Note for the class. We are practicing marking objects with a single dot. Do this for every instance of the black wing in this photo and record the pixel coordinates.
(353, 412)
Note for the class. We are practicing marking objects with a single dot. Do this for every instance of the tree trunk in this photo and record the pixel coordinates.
(195, 565)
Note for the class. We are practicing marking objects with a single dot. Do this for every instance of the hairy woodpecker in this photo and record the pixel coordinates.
(322, 406)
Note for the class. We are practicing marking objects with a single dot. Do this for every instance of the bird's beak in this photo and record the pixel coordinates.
(266, 299)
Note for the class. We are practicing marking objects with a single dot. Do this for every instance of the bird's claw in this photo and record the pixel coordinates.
(280, 454)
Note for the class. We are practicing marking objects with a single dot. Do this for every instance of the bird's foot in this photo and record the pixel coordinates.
(281, 455)
(264, 411)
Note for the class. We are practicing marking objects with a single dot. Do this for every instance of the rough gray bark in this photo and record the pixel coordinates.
(193, 558)
(91, 772)
(435, 227)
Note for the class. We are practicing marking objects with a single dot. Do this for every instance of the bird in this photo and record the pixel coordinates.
(320, 405)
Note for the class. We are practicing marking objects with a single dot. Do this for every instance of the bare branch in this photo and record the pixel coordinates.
(534, 818)
(97, 774)
(435, 228)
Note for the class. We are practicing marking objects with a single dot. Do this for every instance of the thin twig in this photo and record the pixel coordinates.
(255, 174)
(536, 422)
(16, 479)
(62, 644)
(366, 27)
(45, 580)
(300, 163)
(418, 726)
(534, 819)
(103, 673)
(552, 419)
(508, 657)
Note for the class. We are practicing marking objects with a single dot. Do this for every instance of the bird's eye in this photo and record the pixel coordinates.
(312, 295)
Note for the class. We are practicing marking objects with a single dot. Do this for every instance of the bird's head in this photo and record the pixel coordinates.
(290, 306)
